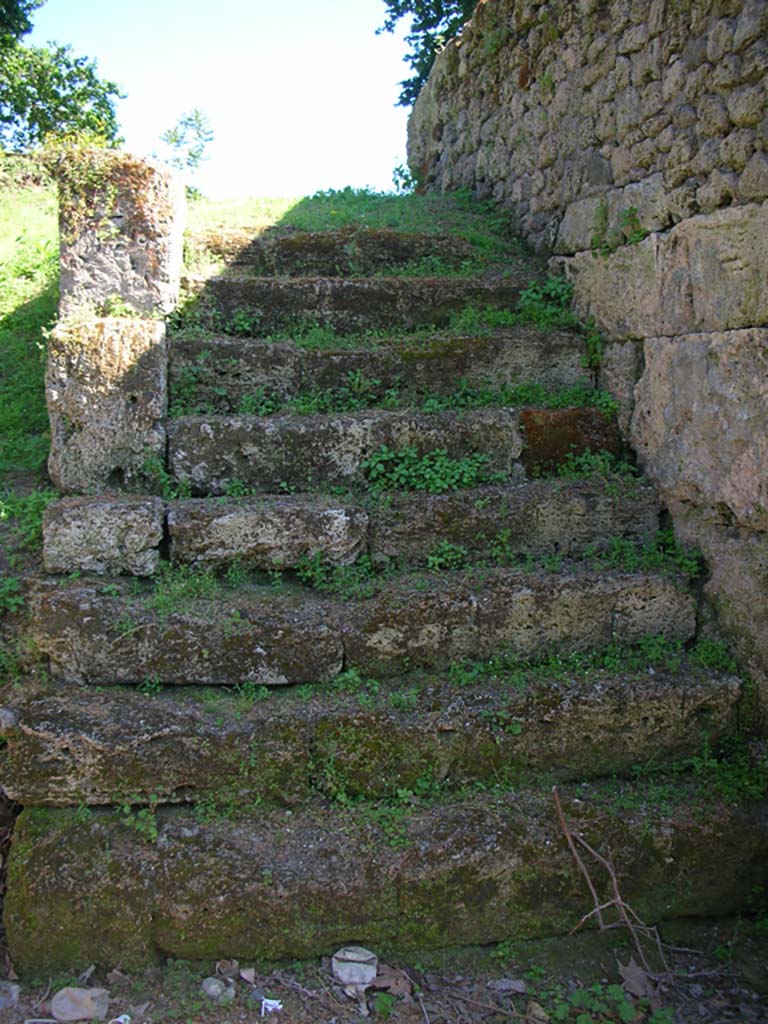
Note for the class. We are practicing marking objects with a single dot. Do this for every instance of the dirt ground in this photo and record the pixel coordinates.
(718, 974)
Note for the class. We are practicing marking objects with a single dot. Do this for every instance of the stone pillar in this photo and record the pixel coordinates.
(121, 223)
(106, 387)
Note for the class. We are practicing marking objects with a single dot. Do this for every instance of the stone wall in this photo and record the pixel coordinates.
(576, 111)
(629, 139)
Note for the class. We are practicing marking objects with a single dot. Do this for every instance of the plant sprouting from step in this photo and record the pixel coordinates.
(404, 469)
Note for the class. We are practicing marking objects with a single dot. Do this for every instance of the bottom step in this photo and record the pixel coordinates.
(87, 887)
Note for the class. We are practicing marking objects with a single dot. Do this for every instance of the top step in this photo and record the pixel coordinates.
(347, 252)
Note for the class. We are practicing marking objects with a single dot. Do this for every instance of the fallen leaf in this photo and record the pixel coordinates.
(392, 980)
(535, 1013)
(248, 974)
(116, 977)
(83, 978)
(12, 975)
(227, 968)
(636, 982)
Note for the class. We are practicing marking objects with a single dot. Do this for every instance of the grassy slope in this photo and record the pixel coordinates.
(456, 213)
(28, 298)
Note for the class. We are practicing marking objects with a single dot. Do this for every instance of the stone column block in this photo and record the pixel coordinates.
(106, 388)
(121, 223)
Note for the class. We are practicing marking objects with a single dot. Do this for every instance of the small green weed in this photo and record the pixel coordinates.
(151, 686)
(735, 773)
(404, 700)
(176, 586)
(583, 465)
(11, 596)
(384, 1005)
(403, 469)
(664, 555)
(655, 652)
(713, 654)
(466, 396)
(260, 402)
(247, 694)
(141, 819)
(360, 579)
(161, 482)
(445, 555)
(630, 226)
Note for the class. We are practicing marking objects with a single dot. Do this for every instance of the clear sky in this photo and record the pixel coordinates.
(301, 93)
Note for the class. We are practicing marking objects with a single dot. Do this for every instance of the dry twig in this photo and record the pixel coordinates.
(627, 917)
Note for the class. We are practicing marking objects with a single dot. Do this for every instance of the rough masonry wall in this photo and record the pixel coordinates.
(654, 104)
(629, 138)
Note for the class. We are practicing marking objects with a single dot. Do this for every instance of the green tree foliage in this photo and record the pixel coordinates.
(47, 90)
(15, 19)
(433, 23)
(188, 139)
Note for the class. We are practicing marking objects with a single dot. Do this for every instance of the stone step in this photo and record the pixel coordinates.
(218, 373)
(106, 888)
(263, 305)
(296, 453)
(230, 750)
(348, 252)
(115, 535)
(204, 633)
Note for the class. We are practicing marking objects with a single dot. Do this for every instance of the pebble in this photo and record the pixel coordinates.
(218, 990)
(9, 995)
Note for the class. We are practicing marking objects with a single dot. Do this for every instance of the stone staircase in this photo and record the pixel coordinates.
(294, 705)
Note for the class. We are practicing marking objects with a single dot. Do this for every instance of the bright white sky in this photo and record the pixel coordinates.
(300, 93)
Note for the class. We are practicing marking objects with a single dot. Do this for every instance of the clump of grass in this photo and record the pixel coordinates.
(403, 469)
(655, 652)
(25, 513)
(664, 554)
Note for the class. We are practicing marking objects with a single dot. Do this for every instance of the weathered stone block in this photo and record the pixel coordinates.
(460, 873)
(220, 373)
(701, 421)
(121, 232)
(753, 183)
(297, 451)
(706, 274)
(266, 533)
(109, 640)
(619, 372)
(103, 535)
(348, 252)
(542, 516)
(553, 435)
(86, 748)
(106, 394)
(736, 588)
(81, 749)
(355, 304)
(526, 613)
(407, 626)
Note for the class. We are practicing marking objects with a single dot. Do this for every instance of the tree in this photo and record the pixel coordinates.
(188, 139)
(434, 22)
(48, 90)
(15, 19)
